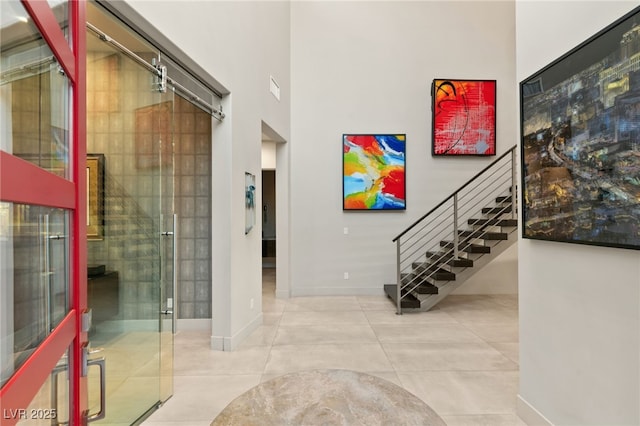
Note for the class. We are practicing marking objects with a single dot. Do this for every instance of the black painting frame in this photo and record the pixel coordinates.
(396, 138)
(580, 142)
(474, 106)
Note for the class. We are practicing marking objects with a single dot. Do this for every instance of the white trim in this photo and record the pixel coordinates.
(194, 324)
(224, 343)
(529, 414)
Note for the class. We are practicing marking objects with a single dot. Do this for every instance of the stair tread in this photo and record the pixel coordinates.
(496, 210)
(504, 199)
(426, 288)
(409, 301)
(467, 248)
(494, 222)
(485, 235)
(428, 268)
(447, 258)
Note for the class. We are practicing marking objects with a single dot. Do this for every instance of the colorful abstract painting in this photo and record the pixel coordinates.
(464, 117)
(374, 172)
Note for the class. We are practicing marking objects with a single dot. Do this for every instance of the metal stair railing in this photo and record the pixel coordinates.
(438, 232)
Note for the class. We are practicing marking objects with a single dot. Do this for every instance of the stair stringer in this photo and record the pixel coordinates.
(428, 301)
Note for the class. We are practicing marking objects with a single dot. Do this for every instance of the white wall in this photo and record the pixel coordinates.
(268, 155)
(240, 44)
(343, 67)
(367, 67)
(579, 305)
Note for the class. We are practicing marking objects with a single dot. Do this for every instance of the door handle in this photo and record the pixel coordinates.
(60, 368)
(166, 312)
(102, 413)
(174, 319)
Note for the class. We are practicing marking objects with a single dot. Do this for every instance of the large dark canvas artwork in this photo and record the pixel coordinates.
(581, 142)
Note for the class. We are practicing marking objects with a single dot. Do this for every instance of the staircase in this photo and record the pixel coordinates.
(457, 238)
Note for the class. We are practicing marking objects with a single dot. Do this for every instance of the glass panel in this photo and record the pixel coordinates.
(34, 273)
(61, 12)
(129, 125)
(34, 94)
(167, 265)
(51, 404)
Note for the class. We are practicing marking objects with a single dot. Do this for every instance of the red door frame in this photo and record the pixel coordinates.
(39, 187)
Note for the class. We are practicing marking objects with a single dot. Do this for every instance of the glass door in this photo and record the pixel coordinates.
(130, 252)
(168, 256)
(42, 298)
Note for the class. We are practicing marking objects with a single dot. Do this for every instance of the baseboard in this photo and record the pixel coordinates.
(338, 291)
(529, 414)
(282, 294)
(225, 343)
(194, 324)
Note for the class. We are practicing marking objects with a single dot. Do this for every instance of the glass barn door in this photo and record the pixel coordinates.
(130, 257)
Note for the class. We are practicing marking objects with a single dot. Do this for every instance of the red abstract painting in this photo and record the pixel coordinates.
(464, 117)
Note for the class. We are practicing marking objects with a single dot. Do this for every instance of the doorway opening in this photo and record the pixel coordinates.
(275, 218)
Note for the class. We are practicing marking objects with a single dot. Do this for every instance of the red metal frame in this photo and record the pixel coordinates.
(36, 185)
(23, 182)
(49, 27)
(79, 264)
(28, 379)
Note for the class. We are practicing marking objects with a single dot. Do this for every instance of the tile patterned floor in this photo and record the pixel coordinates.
(461, 358)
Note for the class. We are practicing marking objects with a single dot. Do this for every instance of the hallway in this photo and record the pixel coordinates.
(461, 358)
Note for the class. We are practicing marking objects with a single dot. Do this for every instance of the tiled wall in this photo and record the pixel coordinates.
(193, 207)
(133, 181)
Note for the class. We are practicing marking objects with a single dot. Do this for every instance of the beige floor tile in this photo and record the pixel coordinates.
(202, 398)
(495, 332)
(271, 304)
(434, 356)
(481, 314)
(484, 420)
(245, 360)
(325, 317)
(389, 317)
(376, 303)
(323, 303)
(441, 356)
(390, 376)
(359, 357)
(465, 392)
(127, 362)
(271, 318)
(266, 377)
(510, 350)
(262, 336)
(326, 333)
(193, 338)
(424, 333)
(132, 399)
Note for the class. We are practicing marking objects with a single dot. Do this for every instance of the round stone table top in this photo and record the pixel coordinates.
(327, 397)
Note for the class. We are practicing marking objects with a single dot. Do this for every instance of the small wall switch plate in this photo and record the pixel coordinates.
(346, 231)
(346, 275)
(251, 303)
